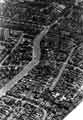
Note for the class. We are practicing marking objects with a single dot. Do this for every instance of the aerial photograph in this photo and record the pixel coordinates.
(41, 59)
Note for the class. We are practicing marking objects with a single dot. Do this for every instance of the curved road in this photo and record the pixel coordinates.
(28, 67)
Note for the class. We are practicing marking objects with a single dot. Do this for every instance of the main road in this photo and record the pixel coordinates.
(28, 67)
